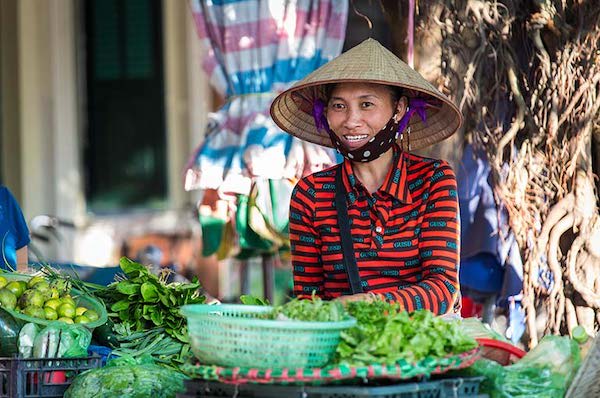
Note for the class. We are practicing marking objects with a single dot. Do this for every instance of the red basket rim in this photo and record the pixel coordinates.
(501, 345)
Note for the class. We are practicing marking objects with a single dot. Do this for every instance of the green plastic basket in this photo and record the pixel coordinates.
(81, 299)
(234, 335)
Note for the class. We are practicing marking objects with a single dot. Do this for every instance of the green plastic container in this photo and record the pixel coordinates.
(81, 299)
(234, 335)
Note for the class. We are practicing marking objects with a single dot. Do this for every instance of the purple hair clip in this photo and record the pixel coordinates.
(416, 105)
(318, 112)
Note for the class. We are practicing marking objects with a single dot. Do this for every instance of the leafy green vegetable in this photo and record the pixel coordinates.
(145, 312)
(386, 334)
(313, 310)
(253, 300)
(128, 378)
(544, 372)
(145, 301)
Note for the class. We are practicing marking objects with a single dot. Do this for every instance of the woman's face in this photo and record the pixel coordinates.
(356, 112)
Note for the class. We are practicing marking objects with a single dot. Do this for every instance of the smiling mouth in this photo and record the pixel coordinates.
(355, 138)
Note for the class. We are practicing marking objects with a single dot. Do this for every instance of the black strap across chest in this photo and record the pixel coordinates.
(346, 234)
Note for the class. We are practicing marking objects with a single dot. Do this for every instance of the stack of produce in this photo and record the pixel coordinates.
(43, 299)
(385, 334)
(144, 314)
(127, 377)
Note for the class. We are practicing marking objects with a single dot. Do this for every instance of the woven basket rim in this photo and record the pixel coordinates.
(207, 311)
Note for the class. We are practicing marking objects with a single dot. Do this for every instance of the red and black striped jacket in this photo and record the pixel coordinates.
(405, 235)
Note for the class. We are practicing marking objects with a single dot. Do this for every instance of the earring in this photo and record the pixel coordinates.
(408, 138)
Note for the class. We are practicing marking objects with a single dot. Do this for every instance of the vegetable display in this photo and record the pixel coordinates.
(313, 310)
(43, 298)
(144, 301)
(128, 378)
(384, 334)
(144, 314)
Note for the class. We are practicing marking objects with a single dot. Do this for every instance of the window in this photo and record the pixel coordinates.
(125, 142)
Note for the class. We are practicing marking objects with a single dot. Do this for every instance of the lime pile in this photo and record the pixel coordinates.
(41, 299)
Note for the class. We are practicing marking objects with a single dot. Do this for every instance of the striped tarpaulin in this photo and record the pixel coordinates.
(255, 49)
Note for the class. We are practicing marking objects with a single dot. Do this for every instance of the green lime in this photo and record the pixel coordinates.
(23, 285)
(51, 313)
(68, 300)
(66, 310)
(53, 303)
(66, 320)
(92, 315)
(44, 288)
(3, 282)
(16, 288)
(81, 319)
(80, 310)
(54, 293)
(8, 300)
(35, 280)
(31, 297)
(35, 311)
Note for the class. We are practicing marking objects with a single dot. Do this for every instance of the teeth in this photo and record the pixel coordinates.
(356, 137)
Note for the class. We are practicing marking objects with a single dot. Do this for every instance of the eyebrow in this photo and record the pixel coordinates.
(365, 96)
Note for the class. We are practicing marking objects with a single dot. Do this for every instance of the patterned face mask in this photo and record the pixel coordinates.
(377, 145)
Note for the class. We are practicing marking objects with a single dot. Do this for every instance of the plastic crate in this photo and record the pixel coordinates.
(47, 377)
(235, 335)
(443, 388)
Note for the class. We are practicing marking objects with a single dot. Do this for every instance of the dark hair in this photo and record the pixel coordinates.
(394, 90)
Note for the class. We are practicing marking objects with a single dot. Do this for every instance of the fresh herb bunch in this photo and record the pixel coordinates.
(163, 348)
(248, 299)
(385, 334)
(144, 301)
(312, 310)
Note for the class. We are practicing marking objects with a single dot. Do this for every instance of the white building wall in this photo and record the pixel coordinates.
(49, 124)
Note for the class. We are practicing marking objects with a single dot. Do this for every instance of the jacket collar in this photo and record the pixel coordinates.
(395, 183)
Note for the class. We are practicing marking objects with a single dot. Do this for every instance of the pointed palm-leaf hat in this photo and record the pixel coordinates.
(368, 62)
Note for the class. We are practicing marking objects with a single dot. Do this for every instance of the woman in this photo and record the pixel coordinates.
(384, 223)
(14, 234)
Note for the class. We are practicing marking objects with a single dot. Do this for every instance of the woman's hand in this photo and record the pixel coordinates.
(368, 297)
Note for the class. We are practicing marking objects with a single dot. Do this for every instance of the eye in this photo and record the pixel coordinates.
(337, 106)
(367, 104)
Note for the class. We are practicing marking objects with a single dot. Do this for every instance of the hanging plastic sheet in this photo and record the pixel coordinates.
(256, 49)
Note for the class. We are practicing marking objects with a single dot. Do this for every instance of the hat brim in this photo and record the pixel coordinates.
(368, 62)
(292, 112)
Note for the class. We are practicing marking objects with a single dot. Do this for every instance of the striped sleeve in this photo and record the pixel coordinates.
(305, 241)
(438, 248)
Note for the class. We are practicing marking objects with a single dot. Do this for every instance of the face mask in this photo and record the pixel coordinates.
(377, 145)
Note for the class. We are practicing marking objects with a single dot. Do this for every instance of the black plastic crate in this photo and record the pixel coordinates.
(443, 388)
(46, 377)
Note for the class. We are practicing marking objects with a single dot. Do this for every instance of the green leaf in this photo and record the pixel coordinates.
(120, 306)
(128, 288)
(164, 299)
(157, 318)
(149, 292)
(253, 300)
(131, 268)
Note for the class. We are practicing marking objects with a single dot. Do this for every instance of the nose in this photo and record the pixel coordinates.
(353, 119)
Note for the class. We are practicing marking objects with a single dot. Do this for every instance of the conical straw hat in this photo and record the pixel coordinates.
(372, 63)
